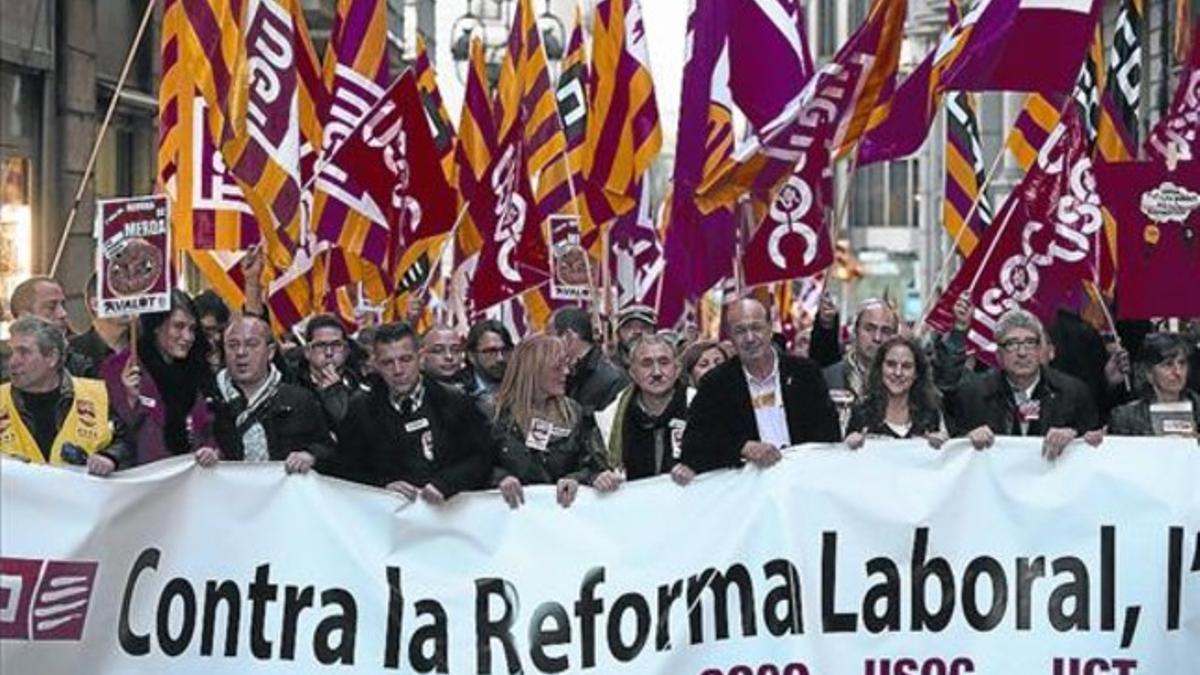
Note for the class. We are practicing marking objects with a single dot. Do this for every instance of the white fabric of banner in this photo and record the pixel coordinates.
(817, 565)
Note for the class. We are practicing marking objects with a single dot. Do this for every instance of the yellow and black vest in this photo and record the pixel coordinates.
(86, 425)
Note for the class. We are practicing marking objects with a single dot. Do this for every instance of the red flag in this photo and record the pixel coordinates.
(791, 240)
(1047, 239)
(1158, 221)
(514, 256)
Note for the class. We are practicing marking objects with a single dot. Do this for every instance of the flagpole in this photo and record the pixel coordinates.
(108, 115)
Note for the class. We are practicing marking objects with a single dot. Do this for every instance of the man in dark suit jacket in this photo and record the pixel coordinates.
(411, 434)
(1026, 397)
(751, 406)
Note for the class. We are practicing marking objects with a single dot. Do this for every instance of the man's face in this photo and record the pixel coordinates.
(576, 347)
(248, 351)
(750, 330)
(442, 354)
(28, 367)
(874, 327)
(1020, 353)
(176, 335)
(491, 356)
(49, 303)
(398, 365)
(328, 346)
(654, 369)
(632, 330)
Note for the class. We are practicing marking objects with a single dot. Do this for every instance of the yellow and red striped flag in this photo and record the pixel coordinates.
(472, 155)
(435, 109)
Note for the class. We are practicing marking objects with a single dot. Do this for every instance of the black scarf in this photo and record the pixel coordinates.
(178, 382)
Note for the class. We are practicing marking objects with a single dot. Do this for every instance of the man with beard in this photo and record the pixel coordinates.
(489, 345)
(259, 417)
(643, 428)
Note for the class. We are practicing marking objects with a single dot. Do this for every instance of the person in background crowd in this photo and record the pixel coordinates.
(594, 380)
(1162, 373)
(161, 394)
(103, 338)
(633, 322)
(755, 404)
(874, 324)
(48, 416)
(259, 417)
(1026, 397)
(825, 346)
(1191, 335)
(325, 371)
(1099, 361)
(543, 436)
(443, 356)
(643, 428)
(213, 317)
(489, 345)
(701, 357)
(803, 343)
(900, 400)
(366, 342)
(414, 435)
(43, 297)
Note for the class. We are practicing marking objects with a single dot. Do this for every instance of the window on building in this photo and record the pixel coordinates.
(20, 138)
(827, 28)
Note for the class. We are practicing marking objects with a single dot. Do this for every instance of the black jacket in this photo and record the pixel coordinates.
(988, 399)
(1133, 418)
(445, 442)
(595, 381)
(579, 455)
(292, 420)
(721, 418)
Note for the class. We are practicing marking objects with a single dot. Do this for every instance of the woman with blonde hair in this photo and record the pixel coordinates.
(543, 436)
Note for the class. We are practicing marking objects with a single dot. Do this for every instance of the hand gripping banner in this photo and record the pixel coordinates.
(895, 560)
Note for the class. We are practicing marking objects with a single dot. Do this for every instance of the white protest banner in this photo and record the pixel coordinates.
(133, 256)
(896, 560)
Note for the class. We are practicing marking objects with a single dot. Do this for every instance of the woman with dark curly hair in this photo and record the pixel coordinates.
(900, 400)
(699, 358)
(163, 392)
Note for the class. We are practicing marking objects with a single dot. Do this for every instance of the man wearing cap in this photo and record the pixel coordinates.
(632, 323)
(595, 381)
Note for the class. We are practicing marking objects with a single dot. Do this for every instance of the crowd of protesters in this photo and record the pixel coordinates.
(433, 415)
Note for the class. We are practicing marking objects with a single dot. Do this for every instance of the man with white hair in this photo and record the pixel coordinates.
(1026, 397)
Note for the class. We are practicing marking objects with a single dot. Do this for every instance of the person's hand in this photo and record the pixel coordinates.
(299, 461)
(855, 440)
(1116, 369)
(510, 489)
(1094, 437)
(131, 379)
(682, 474)
(207, 457)
(252, 265)
(406, 490)
(1056, 442)
(963, 311)
(982, 437)
(431, 494)
(607, 481)
(827, 311)
(326, 377)
(936, 439)
(100, 465)
(760, 454)
(567, 489)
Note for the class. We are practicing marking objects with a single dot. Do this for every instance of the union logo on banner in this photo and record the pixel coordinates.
(45, 599)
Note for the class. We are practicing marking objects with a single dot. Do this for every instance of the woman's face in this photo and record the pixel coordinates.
(176, 335)
(552, 381)
(899, 370)
(711, 358)
(1170, 376)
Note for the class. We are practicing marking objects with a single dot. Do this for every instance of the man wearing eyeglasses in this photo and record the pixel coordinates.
(1026, 397)
(324, 372)
(489, 345)
(751, 407)
(443, 356)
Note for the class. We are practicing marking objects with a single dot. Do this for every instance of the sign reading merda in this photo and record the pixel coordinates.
(895, 560)
(133, 257)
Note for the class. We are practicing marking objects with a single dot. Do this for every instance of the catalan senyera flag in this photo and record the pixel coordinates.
(1037, 119)
(216, 60)
(624, 133)
(473, 153)
(223, 271)
(435, 109)
(965, 174)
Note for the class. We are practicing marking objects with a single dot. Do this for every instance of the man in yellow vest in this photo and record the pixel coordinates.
(50, 417)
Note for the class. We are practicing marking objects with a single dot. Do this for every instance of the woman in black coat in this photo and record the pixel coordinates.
(1166, 407)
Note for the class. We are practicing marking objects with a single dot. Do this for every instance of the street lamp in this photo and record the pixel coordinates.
(490, 21)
